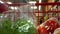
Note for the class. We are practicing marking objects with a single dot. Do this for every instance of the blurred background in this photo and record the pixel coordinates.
(23, 13)
(29, 6)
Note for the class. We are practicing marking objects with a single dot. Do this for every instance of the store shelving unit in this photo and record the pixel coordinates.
(49, 11)
(38, 11)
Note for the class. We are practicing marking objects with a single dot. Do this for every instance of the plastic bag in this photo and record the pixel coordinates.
(24, 24)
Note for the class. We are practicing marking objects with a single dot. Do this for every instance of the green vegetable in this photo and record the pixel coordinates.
(6, 27)
(21, 26)
(25, 27)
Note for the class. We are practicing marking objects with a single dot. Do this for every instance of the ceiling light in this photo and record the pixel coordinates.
(32, 2)
(13, 7)
(39, 1)
(9, 2)
(33, 7)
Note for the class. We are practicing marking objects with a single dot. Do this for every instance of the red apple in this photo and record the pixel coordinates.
(3, 7)
(42, 30)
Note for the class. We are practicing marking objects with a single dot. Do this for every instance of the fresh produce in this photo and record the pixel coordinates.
(6, 27)
(42, 30)
(25, 27)
(51, 24)
(21, 26)
(3, 7)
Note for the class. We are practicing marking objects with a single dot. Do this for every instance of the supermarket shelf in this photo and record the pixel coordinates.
(37, 4)
(46, 3)
(48, 12)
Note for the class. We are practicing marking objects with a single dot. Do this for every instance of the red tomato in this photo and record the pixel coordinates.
(3, 7)
(52, 25)
(42, 30)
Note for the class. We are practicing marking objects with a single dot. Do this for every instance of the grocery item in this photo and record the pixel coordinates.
(25, 23)
(27, 13)
(51, 24)
(48, 26)
(22, 26)
(3, 7)
(42, 30)
(7, 27)
(57, 31)
(26, 27)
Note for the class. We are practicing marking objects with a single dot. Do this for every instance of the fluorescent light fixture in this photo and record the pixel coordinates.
(39, 7)
(39, 1)
(33, 7)
(9, 2)
(16, 8)
(32, 2)
(13, 7)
